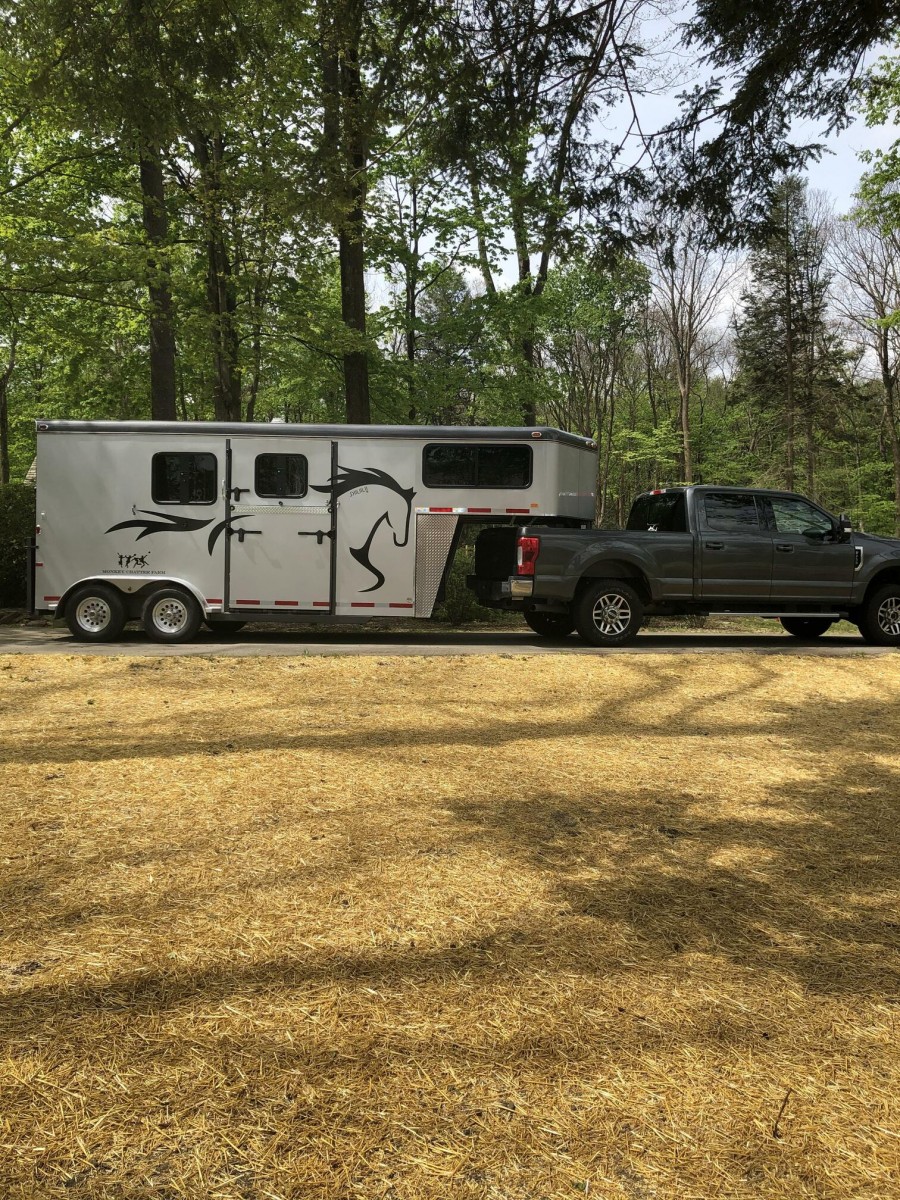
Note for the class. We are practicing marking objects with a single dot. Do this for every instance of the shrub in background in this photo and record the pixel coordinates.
(16, 526)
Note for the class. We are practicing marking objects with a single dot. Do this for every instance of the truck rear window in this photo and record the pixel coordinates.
(664, 513)
(728, 511)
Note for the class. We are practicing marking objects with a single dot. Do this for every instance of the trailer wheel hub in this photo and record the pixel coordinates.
(93, 614)
(170, 615)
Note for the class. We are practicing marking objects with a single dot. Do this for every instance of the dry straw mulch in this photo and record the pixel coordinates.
(511, 929)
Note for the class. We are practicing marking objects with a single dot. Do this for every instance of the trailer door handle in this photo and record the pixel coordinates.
(236, 492)
(784, 547)
(714, 545)
(319, 534)
(242, 533)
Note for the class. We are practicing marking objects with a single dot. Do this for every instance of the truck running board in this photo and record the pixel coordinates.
(733, 612)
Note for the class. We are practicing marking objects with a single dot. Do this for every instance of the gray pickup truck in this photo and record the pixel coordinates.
(695, 550)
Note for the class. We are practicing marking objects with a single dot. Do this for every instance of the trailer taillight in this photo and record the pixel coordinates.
(526, 554)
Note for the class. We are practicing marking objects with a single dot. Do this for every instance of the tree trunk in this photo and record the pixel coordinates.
(221, 296)
(162, 334)
(4, 408)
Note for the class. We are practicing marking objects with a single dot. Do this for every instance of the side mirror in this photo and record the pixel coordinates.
(844, 528)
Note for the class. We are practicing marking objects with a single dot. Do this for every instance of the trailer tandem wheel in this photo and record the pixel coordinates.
(95, 612)
(171, 614)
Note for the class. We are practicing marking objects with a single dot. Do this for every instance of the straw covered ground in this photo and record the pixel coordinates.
(483, 928)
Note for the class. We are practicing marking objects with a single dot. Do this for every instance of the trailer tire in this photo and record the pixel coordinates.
(806, 628)
(608, 613)
(550, 624)
(223, 628)
(171, 615)
(95, 612)
(879, 617)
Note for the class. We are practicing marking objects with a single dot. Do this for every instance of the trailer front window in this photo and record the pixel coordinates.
(180, 478)
(282, 475)
(445, 465)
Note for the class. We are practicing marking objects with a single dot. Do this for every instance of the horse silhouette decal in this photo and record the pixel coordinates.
(349, 479)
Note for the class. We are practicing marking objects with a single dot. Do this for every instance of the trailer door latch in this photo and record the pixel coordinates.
(242, 533)
(319, 534)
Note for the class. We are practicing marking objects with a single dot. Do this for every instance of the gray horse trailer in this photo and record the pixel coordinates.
(176, 523)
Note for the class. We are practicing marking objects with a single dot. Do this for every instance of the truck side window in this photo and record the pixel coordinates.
(663, 513)
(183, 478)
(797, 516)
(730, 511)
(281, 475)
(445, 465)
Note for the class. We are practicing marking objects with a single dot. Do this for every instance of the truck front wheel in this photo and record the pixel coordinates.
(879, 618)
(549, 624)
(608, 613)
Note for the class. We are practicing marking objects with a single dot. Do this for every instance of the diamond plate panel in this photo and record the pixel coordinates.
(434, 537)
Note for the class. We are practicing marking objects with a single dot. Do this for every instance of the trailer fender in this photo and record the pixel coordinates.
(134, 588)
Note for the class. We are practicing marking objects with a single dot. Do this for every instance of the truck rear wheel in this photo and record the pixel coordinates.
(806, 627)
(95, 613)
(549, 624)
(609, 613)
(171, 615)
(879, 617)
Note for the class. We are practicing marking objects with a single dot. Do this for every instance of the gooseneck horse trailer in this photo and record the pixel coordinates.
(176, 523)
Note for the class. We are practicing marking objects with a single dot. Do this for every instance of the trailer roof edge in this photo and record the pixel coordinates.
(455, 433)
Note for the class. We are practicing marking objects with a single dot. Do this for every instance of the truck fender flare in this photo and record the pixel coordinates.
(602, 567)
(142, 582)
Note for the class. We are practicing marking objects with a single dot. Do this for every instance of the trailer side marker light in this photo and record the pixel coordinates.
(51, 599)
(362, 603)
(247, 601)
(37, 530)
(286, 603)
(393, 605)
(38, 564)
(535, 433)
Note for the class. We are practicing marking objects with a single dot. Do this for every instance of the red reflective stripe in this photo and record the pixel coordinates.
(51, 597)
(38, 564)
(321, 604)
(287, 603)
(362, 603)
(440, 510)
(399, 605)
(518, 510)
(487, 510)
(213, 599)
(247, 601)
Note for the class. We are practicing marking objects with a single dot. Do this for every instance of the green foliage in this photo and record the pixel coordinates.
(16, 526)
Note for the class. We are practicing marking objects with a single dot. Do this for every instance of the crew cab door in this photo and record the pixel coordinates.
(808, 564)
(281, 525)
(735, 547)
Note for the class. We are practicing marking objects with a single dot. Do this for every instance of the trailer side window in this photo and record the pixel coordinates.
(283, 475)
(180, 478)
(445, 465)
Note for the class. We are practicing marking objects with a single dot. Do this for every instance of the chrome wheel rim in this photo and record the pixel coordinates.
(611, 614)
(170, 615)
(93, 614)
(889, 616)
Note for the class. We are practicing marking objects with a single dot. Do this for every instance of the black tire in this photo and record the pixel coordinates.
(806, 628)
(879, 617)
(609, 613)
(171, 615)
(550, 624)
(223, 628)
(95, 612)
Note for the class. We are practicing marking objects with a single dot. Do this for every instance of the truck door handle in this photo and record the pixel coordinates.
(242, 533)
(784, 547)
(319, 534)
(714, 545)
